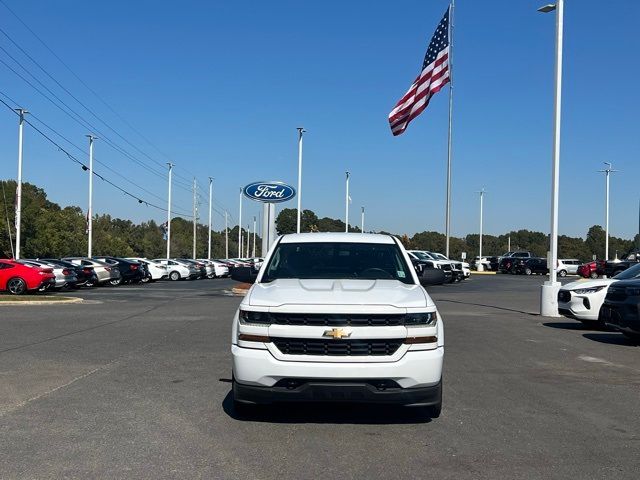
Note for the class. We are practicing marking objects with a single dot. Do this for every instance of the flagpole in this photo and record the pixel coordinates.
(448, 213)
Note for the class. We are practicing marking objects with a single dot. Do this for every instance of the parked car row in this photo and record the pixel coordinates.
(612, 303)
(40, 274)
(454, 270)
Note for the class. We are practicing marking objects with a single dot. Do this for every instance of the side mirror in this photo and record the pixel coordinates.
(431, 276)
(244, 274)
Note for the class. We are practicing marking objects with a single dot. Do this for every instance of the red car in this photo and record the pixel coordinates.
(588, 270)
(17, 278)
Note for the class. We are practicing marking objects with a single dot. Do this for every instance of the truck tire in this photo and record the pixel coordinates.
(562, 273)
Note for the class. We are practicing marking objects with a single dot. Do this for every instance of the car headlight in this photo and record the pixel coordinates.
(583, 291)
(421, 319)
(258, 318)
(632, 291)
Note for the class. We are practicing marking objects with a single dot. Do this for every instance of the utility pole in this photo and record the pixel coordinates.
(479, 265)
(362, 221)
(301, 130)
(607, 171)
(90, 211)
(346, 207)
(254, 237)
(169, 213)
(240, 227)
(21, 113)
(210, 224)
(195, 216)
(226, 235)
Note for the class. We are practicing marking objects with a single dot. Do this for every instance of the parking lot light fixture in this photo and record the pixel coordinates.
(479, 265)
(550, 7)
(549, 290)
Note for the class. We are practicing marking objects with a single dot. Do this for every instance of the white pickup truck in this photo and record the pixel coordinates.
(337, 317)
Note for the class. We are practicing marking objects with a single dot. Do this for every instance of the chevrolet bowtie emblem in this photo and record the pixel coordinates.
(336, 333)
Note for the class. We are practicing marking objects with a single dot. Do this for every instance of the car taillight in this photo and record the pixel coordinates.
(86, 271)
(66, 272)
(134, 267)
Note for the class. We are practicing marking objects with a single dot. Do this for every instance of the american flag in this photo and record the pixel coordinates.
(435, 74)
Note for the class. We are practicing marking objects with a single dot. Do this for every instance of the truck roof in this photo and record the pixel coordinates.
(328, 237)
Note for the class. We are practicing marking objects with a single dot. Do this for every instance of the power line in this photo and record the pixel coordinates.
(84, 167)
(75, 116)
(124, 120)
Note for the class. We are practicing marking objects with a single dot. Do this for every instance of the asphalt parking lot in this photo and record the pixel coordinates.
(134, 383)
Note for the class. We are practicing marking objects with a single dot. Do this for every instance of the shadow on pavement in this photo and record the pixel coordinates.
(569, 325)
(338, 413)
(489, 306)
(611, 339)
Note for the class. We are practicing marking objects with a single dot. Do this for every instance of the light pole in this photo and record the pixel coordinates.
(195, 216)
(549, 291)
(607, 171)
(346, 206)
(226, 235)
(240, 227)
(362, 221)
(301, 130)
(479, 266)
(21, 113)
(210, 224)
(254, 237)
(90, 211)
(169, 213)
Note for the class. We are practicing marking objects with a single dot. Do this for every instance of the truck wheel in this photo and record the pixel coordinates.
(527, 271)
(562, 273)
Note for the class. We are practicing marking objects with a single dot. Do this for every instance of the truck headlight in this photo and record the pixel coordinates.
(421, 319)
(258, 318)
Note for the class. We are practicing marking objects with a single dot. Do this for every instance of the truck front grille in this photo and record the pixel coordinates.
(337, 320)
(321, 346)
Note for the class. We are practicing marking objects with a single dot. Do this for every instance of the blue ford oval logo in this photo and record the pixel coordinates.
(269, 192)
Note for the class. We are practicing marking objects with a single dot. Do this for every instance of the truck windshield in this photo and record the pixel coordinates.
(338, 260)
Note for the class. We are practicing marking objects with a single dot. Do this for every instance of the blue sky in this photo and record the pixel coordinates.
(220, 87)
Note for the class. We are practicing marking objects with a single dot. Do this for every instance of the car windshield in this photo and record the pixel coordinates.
(338, 260)
(629, 274)
(422, 255)
(439, 255)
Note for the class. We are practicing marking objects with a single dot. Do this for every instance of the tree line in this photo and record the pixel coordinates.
(49, 230)
(535, 242)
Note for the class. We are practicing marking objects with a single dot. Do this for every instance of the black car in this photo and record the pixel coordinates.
(621, 308)
(530, 266)
(130, 272)
(86, 275)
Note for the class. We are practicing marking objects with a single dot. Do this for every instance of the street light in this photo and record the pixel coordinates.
(607, 171)
(479, 266)
(550, 288)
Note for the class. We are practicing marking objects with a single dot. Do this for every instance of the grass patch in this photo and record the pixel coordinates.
(32, 298)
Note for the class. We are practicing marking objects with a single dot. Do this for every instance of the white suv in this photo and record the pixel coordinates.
(337, 317)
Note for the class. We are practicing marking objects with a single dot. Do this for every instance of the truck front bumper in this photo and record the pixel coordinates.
(415, 379)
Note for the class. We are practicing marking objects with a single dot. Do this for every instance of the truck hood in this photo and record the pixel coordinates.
(338, 292)
(588, 283)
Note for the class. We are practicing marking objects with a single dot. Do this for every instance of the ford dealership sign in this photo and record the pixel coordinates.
(269, 192)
